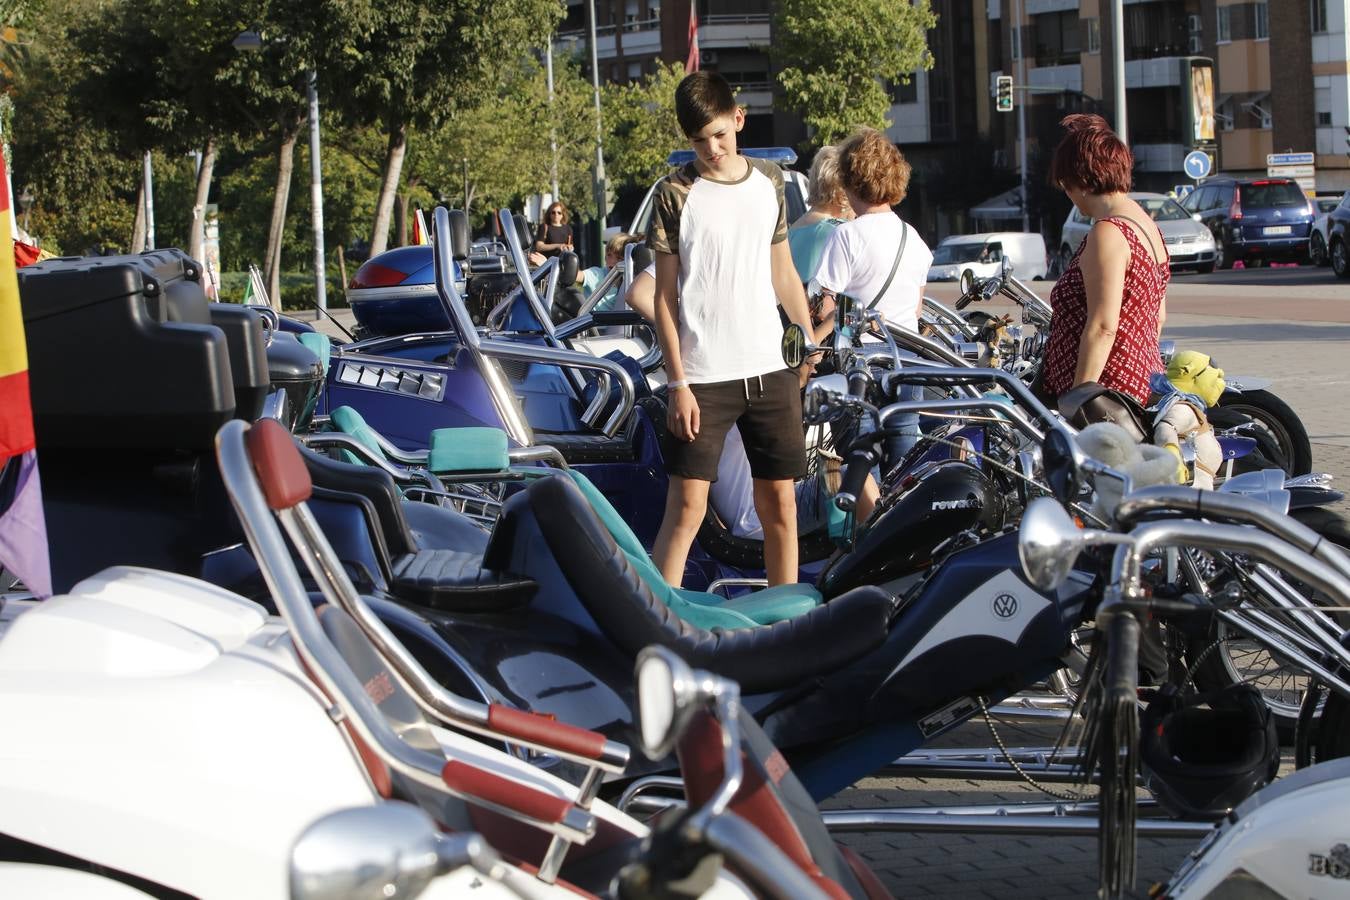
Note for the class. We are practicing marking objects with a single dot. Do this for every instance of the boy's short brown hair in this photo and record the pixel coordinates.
(874, 168)
(700, 98)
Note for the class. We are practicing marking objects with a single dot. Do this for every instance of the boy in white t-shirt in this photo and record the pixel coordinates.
(719, 233)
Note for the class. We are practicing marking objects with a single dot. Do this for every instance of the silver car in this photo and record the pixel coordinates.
(1189, 243)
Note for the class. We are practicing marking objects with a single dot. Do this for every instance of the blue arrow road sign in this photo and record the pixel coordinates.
(1196, 164)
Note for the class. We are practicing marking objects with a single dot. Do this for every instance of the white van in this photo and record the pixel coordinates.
(983, 255)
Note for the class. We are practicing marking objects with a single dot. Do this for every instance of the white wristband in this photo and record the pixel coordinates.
(675, 385)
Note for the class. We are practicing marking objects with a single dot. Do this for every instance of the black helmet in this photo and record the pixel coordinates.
(1203, 754)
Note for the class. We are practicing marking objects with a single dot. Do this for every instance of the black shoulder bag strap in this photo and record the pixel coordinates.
(904, 236)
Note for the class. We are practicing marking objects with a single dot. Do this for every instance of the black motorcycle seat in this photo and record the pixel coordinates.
(765, 658)
(455, 581)
(580, 449)
(405, 526)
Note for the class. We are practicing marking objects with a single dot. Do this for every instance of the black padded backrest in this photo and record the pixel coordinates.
(642, 258)
(569, 266)
(459, 234)
(767, 658)
(375, 485)
(523, 232)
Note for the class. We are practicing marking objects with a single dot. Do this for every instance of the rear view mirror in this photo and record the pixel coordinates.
(1007, 268)
(967, 282)
(1060, 460)
(795, 346)
(666, 694)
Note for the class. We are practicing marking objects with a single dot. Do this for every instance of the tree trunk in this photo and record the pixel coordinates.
(290, 131)
(393, 171)
(401, 217)
(138, 229)
(197, 240)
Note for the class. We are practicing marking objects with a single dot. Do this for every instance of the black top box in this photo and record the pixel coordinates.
(121, 353)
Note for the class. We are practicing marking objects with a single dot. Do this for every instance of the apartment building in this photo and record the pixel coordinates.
(733, 38)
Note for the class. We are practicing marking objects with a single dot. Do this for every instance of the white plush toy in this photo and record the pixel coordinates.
(1113, 446)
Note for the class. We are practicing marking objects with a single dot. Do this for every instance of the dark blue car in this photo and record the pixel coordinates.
(1256, 220)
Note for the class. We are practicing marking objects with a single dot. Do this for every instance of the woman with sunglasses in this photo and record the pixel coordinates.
(554, 234)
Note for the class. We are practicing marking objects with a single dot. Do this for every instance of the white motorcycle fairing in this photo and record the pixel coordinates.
(1291, 839)
(163, 727)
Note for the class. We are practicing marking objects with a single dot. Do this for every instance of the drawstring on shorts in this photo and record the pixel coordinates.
(745, 383)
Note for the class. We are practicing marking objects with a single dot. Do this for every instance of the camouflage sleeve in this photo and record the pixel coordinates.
(663, 231)
(775, 175)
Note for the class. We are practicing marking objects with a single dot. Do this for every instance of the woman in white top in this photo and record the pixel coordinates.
(878, 259)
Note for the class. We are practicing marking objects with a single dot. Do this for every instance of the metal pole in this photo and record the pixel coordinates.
(316, 197)
(552, 122)
(149, 179)
(1022, 111)
(599, 184)
(1118, 67)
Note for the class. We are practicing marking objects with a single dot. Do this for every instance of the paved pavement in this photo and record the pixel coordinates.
(1289, 325)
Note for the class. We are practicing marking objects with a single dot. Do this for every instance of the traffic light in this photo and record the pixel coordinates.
(1003, 94)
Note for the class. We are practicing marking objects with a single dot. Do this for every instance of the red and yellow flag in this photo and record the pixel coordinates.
(23, 532)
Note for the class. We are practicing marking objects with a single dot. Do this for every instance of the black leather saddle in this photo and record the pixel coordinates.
(766, 658)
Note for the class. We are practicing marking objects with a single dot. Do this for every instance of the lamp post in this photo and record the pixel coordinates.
(599, 184)
(251, 42)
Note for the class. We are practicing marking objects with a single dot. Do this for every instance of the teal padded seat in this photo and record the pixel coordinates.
(468, 449)
(706, 610)
(350, 422)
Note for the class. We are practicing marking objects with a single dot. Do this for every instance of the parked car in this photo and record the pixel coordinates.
(1338, 237)
(1256, 220)
(983, 254)
(1317, 241)
(1189, 243)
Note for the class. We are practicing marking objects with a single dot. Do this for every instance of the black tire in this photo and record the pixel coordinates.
(1223, 255)
(1332, 740)
(1279, 425)
(1340, 258)
(1241, 659)
(1317, 250)
(1206, 269)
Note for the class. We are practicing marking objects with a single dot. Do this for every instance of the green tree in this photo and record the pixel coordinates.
(417, 64)
(843, 55)
(640, 117)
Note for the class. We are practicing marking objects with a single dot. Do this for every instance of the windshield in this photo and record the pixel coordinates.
(1162, 209)
(1270, 194)
(951, 254)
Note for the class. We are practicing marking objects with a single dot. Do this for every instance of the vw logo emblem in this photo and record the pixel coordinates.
(1005, 606)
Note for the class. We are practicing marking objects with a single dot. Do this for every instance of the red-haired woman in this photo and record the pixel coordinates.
(1109, 304)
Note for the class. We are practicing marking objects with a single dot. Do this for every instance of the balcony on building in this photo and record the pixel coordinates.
(639, 32)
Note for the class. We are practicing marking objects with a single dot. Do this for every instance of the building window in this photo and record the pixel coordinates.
(1259, 109)
(906, 91)
(1225, 25)
(1094, 35)
(1319, 16)
(1224, 114)
(1057, 42)
(1322, 104)
(1262, 11)
(1016, 34)
(634, 71)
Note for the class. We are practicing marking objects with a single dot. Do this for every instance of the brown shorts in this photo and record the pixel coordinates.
(768, 409)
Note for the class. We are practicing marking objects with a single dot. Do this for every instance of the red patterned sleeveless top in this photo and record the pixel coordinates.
(1134, 355)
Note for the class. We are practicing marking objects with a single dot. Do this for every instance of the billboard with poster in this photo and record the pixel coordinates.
(1201, 107)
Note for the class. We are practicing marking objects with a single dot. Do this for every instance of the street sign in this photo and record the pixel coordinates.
(1298, 166)
(1197, 164)
(1289, 159)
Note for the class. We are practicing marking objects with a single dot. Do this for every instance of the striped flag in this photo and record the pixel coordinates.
(691, 61)
(23, 530)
